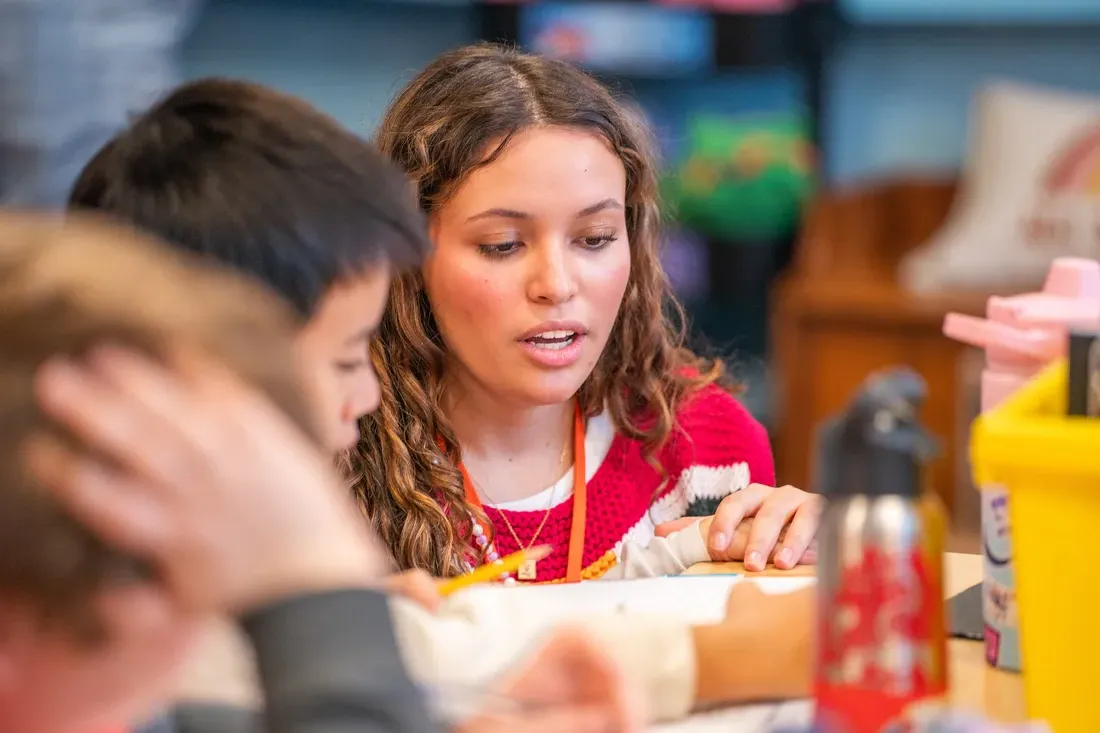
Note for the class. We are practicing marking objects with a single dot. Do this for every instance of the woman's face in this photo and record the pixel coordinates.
(530, 265)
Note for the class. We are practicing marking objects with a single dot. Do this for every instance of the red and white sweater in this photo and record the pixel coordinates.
(718, 448)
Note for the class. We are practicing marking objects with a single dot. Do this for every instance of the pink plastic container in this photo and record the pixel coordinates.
(1020, 335)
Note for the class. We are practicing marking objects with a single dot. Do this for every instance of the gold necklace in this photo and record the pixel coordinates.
(529, 569)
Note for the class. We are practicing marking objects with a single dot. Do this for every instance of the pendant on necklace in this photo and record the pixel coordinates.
(528, 570)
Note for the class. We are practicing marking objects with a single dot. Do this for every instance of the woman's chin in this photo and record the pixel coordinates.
(552, 390)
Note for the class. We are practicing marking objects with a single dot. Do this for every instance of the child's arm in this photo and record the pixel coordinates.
(675, 666)
(670, 555)
(763, 650)
(472, 642)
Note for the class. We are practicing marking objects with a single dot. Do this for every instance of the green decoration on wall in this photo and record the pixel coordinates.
(742, 179)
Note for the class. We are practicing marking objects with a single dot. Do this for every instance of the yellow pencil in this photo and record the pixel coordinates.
(492, 571)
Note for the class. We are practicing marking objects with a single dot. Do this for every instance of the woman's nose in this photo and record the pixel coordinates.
(551, 279)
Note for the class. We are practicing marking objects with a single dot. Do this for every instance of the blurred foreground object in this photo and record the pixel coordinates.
(1020, 336)
(882, 645)
(1030, 193)
(71, 74)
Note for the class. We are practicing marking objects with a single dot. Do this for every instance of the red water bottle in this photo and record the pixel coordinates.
(881, 651)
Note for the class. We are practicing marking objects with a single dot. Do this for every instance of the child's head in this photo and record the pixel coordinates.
(544, 284)
(66, 664)
(263, 183)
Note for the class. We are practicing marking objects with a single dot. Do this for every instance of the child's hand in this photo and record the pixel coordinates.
(417, 586)
(570, 685)
(784, 523)
(196, 473)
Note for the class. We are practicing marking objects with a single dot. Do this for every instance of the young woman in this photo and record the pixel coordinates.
(535, 389)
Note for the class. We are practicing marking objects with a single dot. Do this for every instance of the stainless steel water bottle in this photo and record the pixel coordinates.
(881, 645)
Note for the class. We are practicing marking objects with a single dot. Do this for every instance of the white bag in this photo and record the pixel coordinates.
(1030, 192)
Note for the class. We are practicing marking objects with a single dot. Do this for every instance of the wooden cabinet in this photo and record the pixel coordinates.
(838, 316)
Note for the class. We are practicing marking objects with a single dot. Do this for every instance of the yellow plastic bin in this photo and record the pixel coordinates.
(1050, 465)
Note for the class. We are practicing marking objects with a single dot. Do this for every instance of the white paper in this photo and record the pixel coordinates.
(698, 599)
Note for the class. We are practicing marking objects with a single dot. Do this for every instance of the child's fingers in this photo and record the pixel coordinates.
(167, 403)
(140, 377)
(574, 719)
(601, 682)
(122, 512)
(417, 586)
(109, 420)
(569, 666)
(668, 528)
(591, 668)
(576, 685)
(219, 385)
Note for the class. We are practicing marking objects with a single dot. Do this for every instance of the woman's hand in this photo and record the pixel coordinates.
(740, 542)
(783, 524)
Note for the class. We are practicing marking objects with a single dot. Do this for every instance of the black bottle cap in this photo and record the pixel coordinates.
(1083, 399)
(877, 446)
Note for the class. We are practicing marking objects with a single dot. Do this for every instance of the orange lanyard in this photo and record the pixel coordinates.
(576, 530)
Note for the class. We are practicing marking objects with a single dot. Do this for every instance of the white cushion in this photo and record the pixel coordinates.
(1030, 192)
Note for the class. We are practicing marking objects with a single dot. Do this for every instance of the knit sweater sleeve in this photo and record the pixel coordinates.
(719, 449)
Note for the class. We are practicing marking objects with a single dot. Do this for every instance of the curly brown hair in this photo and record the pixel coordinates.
(457, 115)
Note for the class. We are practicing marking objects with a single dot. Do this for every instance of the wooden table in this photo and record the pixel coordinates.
(974, 685)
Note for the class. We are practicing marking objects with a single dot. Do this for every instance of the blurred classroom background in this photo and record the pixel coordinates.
(809, 145)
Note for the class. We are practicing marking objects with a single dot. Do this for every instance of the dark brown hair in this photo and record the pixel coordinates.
(261, 182)
(65, 287)
(458, 114)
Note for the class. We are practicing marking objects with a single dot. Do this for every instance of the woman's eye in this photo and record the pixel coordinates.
(598, 241)
(498, 250)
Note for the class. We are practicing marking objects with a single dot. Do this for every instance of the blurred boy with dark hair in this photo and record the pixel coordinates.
(262, 183)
